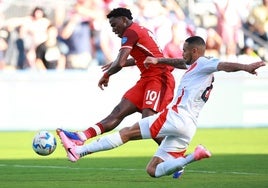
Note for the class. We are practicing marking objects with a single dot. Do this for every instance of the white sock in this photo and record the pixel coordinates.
(104, 143)
(173, 165)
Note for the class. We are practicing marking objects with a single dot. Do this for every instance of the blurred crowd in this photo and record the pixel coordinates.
(77, 35)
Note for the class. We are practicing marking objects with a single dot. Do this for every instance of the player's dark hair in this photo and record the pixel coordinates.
(196, 40)
(118, 12)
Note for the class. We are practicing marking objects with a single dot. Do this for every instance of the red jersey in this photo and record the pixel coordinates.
(143, 44)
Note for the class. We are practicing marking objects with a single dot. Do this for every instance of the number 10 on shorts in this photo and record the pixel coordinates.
(151, 97)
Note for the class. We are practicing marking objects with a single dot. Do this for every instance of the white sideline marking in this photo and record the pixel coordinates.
(122, 169)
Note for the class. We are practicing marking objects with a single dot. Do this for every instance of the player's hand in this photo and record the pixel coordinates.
(106, 67)
(103, 82)
(149, 60)
(251, 68)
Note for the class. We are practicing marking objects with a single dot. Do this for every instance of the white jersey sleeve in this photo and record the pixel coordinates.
(208, 64)
(195, 87)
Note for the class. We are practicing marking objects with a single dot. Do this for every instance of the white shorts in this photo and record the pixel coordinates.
(177, 128)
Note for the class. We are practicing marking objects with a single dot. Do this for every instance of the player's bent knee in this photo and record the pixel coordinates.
(151, 171)
(131, 133)
(125, 134)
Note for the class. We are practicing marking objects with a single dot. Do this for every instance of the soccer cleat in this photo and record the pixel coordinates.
(178, 174)
(73, 136)
(69, 147)
(201, 152)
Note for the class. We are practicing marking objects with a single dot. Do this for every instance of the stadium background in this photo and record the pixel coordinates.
(71, 99)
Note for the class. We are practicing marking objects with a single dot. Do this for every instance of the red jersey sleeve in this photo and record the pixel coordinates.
(129, 39)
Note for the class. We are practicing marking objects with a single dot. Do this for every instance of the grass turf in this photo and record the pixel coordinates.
(240, 159)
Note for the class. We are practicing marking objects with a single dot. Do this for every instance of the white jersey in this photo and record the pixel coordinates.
(195, 87)
(177, 123)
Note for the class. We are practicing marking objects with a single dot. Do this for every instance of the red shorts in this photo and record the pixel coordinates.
(154, 92)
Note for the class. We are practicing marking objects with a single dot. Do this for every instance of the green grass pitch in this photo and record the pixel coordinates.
(239, 160)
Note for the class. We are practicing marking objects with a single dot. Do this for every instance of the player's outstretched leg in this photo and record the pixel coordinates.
(69, 146)
(73, 136)
(75, 152)
(199, 153)
(174, 165)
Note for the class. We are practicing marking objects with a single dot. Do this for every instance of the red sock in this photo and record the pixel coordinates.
(94, 131)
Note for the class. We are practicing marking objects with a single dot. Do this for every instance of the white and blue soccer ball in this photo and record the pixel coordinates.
(44, 143)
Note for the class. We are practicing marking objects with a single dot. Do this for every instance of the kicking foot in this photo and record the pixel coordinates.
(201, 152)
(73, 136)
(69, 147)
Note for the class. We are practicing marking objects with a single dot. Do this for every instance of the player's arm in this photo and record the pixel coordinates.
(174, 62)
(130, 62)
(114, 67)
(120, 61)
(233, 67)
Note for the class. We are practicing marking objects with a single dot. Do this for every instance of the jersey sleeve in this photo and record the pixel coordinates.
(208, 64)
(129, 39)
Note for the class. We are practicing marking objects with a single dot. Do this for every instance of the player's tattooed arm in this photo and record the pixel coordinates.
(175, 62)
(130, 62)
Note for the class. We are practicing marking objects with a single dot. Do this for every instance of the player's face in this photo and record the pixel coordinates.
(118, 25)
(187, 53)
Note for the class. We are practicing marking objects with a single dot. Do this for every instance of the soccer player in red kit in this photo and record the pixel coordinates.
(152, 92)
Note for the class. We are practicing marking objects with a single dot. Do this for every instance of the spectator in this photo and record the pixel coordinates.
(213, 43)
(229, 24)
(48, 53)
(22, 46)
(173, 49)
(77, 34)
(109, 43)
(3, 47)
(36, 27)
(26, 33)
(3, 42)
(258, 20)
(174, 9)
(98, 32)
(158, 20)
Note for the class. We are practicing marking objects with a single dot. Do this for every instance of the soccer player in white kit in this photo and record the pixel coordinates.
(178, 122)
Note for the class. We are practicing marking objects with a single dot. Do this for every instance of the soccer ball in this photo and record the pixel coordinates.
(44, 143)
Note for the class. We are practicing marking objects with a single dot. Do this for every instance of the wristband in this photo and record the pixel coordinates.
(106, 75)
